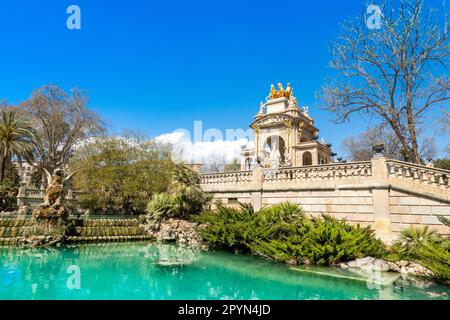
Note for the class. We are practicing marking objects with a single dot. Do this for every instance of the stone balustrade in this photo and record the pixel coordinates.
(33, 193)
(388, 195)
(33, 197)
(339, 171)
(418, 173)
(227, 178)
(324, 172)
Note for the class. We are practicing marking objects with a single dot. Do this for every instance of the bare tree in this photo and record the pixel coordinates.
(360, 148)
(445, 123)
(397, 73)
(60, 121)
(428, 149)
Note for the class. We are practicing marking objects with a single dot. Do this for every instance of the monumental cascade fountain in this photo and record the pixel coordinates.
(50, 219)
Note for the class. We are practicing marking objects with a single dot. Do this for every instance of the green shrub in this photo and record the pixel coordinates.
(322, 241)
(162, 206)
(411, 240)
(427, 248)
(227, 228)
(436, 257)
(330, 241)
(185, 186)
(183, 199)
(284, 233)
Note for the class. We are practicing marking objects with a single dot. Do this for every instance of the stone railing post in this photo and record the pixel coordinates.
(257, 181)
(380, 198)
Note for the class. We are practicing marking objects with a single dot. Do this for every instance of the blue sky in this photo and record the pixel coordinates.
(155, 66)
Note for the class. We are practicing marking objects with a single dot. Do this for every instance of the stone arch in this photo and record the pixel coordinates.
(307, 158)
(279, 143)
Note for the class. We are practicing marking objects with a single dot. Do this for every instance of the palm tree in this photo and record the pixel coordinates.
(16, 138)
(444, 221)
(185, 186)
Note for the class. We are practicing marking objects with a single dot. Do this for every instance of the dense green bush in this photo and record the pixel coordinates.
(284, 233)
(437, 259)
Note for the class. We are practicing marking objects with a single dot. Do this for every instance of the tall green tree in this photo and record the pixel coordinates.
(16, 138)
(397, 73)
(235, 165)
(120, 174)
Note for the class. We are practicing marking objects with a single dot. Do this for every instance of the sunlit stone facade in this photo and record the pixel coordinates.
(284, 136)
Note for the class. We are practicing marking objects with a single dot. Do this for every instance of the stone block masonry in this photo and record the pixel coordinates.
(388, 195)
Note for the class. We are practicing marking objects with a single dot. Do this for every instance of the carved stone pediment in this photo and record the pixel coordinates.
(271, 119)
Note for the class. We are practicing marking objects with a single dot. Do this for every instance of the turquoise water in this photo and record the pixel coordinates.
(143, 270)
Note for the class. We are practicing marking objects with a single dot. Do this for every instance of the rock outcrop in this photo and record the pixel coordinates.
(176, 230)
(370, 264)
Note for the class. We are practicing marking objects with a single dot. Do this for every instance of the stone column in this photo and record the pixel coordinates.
(257, 188)
(315, 156)
(380, 198)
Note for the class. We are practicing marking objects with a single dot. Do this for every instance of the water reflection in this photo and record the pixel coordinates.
(170, 255)
(163, 271)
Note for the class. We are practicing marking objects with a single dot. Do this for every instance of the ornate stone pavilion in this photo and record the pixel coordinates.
(284, 135)
(289, 164)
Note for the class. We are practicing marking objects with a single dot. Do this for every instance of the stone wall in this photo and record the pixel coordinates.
(414, 210)
(389, 195)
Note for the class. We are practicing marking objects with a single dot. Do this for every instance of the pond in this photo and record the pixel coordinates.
(143, 270)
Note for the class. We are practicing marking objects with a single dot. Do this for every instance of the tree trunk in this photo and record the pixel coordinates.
(414, 149)
(43, 180)
(2, 168)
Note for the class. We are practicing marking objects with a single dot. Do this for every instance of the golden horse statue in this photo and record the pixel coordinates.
(281, 92)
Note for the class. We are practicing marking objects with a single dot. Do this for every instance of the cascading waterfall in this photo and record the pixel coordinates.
(12, 229)
(109, 230)
(85, 230)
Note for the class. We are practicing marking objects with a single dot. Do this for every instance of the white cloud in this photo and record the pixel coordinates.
(205, 152)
